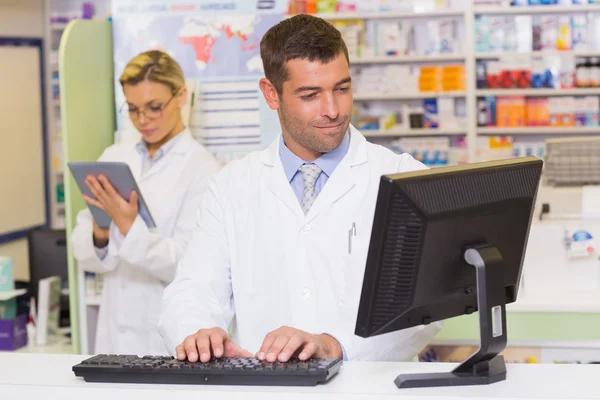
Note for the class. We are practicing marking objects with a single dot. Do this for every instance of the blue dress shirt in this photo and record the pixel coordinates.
(327, 162)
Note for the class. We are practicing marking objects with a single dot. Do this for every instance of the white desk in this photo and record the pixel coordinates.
(43, 376)
(55, 345)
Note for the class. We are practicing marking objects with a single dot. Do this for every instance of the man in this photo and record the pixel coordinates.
(282, 237)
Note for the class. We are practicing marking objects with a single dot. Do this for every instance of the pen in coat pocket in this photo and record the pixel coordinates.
(351, 232)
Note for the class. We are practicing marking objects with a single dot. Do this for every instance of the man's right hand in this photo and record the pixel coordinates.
(100, 235)
(209, 342)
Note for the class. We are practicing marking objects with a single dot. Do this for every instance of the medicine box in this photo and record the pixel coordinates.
(580, 111)
(6, 274)
(13, 333)
(592, 107)
(8, 306)
(510, 111)
(430, 113)
(537, 111)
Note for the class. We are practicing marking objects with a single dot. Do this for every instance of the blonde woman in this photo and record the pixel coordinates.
(172, 171)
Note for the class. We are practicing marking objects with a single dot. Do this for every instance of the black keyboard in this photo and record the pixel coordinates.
(224, 371)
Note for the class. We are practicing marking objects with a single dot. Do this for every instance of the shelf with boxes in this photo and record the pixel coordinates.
(433, 130)
(409, 14)
(540, 92)
(537, 70)
(402, 40)
(496, 147)
(433, 151)
(398, 99)
(406, 96)
(566, 113)
(407, 59)
(408, 71)
(523, 72)
(543, 64)
(539, 130)
(537, 8)
(429, 116)
(364, 9)
(536, 48)
(405, 82)
(410, 132)
(537, 53)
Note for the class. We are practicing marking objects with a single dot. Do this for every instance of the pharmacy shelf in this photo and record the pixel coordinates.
(407, 59)
(525, 10)
(406, 96)
(539, 92)
(407, 132)
(539, 130)
(12, 294)
(391, 14)
(541, 53)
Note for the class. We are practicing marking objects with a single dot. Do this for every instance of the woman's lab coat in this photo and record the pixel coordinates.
(256, 255)
(139, 266)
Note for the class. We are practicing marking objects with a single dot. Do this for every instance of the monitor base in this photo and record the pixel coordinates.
(484, 373)
(486, 366)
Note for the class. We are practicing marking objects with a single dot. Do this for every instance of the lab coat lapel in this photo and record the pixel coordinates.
(171, 158)
(343, 179)
(277, 181)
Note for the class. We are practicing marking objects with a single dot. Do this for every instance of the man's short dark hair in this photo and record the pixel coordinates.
(299, 37)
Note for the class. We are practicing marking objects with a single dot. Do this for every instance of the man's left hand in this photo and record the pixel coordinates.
(285, 343)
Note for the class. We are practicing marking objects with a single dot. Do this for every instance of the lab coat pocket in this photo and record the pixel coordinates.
(353, 268)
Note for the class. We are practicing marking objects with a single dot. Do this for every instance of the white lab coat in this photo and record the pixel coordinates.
(139, 266)
(256, 256)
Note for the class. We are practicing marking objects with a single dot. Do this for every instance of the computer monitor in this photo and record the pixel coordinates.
(48, 257)
(446, 242)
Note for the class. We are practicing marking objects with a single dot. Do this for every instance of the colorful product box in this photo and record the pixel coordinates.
(430, 113)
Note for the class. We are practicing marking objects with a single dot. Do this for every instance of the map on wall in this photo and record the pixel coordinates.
(221, 45)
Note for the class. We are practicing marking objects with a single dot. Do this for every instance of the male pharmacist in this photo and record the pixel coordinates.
(270, 257)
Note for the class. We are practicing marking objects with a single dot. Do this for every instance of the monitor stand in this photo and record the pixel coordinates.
(486, 365)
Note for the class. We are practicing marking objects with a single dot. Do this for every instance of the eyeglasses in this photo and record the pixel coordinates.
(151, 112)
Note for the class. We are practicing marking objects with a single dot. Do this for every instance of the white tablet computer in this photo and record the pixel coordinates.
(120, 176)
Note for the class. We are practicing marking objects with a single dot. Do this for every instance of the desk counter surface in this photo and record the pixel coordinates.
(50, 376)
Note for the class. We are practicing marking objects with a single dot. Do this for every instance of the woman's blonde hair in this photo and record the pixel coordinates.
(155, 66)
